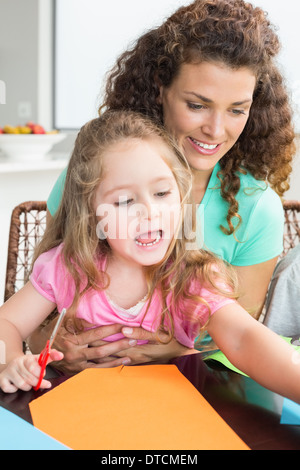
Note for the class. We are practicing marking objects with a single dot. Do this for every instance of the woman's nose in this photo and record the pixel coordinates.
(214, 126)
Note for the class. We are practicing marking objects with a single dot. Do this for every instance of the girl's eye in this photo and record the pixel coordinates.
(123, 202)
(195, 106)
(163, 193)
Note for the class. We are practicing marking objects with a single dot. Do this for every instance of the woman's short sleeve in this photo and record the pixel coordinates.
(56, 193)
(263, 237)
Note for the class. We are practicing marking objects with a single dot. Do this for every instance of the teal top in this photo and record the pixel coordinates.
(260, 235)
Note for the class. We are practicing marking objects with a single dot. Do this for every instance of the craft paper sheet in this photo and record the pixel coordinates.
(17, 434)
(139, 407)
(290, 413)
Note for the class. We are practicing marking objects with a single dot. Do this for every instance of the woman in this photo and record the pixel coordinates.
(208, 74)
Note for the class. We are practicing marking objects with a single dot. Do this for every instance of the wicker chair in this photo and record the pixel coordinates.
(28, 223)
(291, 236)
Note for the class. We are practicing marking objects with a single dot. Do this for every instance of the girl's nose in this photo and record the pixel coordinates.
(150, 210)
(147, 209)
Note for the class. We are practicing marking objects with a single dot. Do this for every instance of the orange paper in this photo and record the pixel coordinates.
(150, 407)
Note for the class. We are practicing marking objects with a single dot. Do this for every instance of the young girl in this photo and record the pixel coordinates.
(120, 250)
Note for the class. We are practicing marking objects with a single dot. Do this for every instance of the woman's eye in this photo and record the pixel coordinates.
(195, 106)
(238, 112)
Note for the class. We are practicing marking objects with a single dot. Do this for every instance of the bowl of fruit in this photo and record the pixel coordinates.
(29, 142)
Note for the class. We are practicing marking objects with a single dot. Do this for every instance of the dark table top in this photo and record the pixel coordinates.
(252, 411)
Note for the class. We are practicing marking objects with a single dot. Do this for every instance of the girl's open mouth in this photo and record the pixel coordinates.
(149, 238)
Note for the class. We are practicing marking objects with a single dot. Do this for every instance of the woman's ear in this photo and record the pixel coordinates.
(159, 98)
(160, 88)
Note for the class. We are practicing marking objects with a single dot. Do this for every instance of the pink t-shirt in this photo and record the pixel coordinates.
(52, 280)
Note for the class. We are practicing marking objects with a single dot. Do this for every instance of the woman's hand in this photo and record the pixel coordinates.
(23, 372)
(84, 349)
(88, 349)
(156, 349)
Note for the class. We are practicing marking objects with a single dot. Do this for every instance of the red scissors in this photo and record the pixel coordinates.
(44, 356)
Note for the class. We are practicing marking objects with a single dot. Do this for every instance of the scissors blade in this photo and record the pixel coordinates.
(56, 328)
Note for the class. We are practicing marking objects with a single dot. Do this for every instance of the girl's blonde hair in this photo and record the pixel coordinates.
(75, 222)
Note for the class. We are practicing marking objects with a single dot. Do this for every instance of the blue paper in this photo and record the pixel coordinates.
(290, 412)
(17, 434)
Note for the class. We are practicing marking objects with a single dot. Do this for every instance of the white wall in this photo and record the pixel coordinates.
(18, 57)
(90, 35)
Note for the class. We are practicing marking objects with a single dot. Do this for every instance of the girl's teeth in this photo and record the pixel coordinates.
(151, 243)
(205, 146)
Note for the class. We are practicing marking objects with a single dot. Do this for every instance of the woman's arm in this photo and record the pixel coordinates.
(253, 285)
(256, 350)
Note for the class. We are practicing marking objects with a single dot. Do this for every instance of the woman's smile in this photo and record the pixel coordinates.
(204, 148)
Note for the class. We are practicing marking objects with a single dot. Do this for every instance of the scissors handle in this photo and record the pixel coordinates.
(43, 358)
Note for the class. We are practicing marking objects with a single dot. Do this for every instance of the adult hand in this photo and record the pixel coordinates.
(157, 348)
(88, 349)
(84, 349)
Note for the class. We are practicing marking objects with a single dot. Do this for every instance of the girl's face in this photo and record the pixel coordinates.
(206, 108)
(138, 201)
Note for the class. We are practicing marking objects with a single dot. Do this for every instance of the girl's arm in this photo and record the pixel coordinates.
(19, 316)
(256, 350)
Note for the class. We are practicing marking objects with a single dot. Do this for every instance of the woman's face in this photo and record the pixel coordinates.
(206, 107)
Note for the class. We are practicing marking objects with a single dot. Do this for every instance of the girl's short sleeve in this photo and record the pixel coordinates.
(56, 193)
(214, 299)
(48, 275)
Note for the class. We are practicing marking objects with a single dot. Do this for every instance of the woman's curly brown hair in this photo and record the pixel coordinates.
(239, 35)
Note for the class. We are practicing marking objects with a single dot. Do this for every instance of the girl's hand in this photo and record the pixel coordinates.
(23, 372)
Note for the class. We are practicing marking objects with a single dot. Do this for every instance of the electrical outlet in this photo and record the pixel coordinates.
(24, 109)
